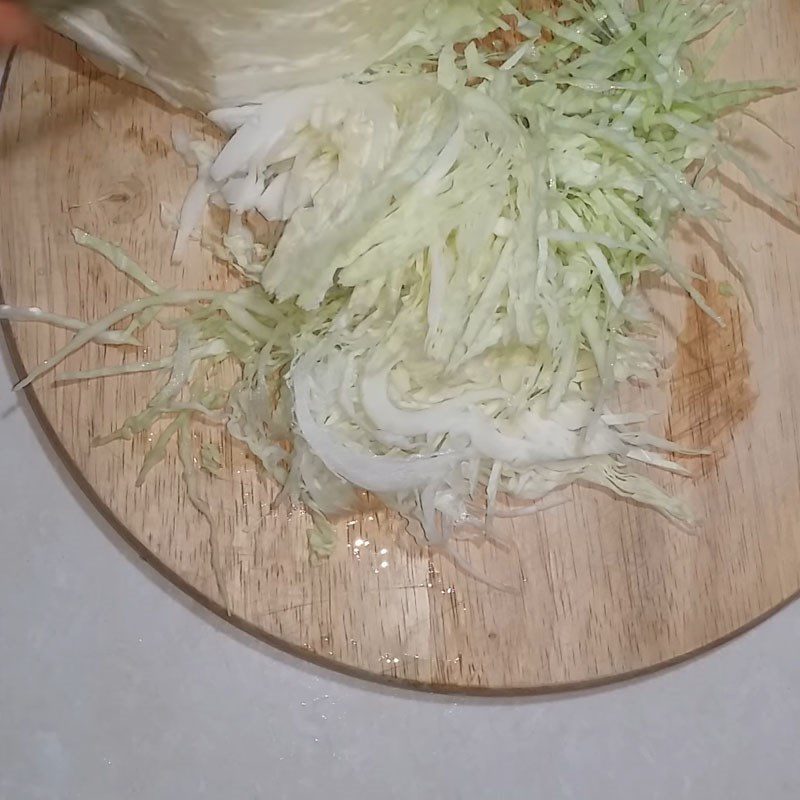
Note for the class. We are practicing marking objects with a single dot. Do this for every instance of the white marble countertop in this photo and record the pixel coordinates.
(113, 686)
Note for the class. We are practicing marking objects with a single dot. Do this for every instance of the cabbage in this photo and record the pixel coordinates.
(204, 54)
(454, 298)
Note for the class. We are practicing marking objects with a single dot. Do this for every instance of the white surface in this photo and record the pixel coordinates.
(114, 687)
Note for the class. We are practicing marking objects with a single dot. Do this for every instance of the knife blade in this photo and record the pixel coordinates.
(52, 8)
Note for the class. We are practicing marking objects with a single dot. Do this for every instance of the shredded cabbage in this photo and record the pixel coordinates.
(455, 295)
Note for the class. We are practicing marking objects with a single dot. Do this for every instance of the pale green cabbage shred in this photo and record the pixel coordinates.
(454, 299)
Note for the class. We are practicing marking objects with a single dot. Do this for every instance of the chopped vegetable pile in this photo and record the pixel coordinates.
(454, 298)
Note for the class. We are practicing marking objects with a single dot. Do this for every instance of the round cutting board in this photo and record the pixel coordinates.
(598, 588)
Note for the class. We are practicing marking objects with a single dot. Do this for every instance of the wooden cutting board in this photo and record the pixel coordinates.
(601, 589)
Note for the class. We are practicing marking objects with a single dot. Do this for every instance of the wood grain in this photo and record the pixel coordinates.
(601, 589)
